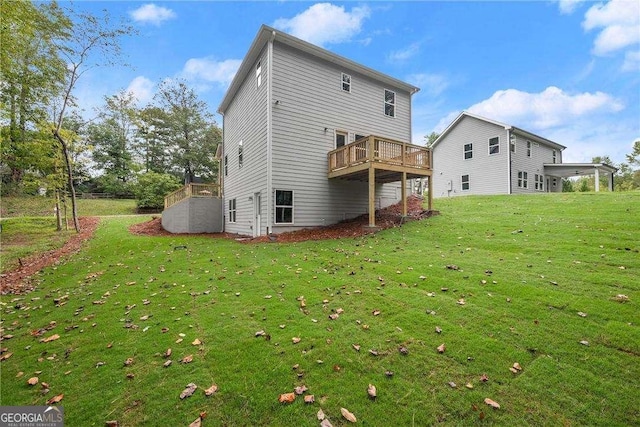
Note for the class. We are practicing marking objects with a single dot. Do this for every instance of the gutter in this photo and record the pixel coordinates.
(269, 206)
(509, 167)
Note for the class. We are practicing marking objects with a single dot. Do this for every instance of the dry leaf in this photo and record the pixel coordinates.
(211, 390)
(196, 342)
(260, 333)
(167, 363)
(320, 415)
(55, 399)
(188, 391)
(287, 397)
(492, 403)
(309, 398)
(187, 359)
(438, 330)
(371, 391)
(376, 312)
(5, 356)
(51, 338)
(517, 366)
(112, 423)
(334, 316)
(296, 340)
(441, 348)
(196, 423)
(167, 353)
(32, 381)
(356, 347)
(469, 386)
(484, 378)
(326, 423)
(348, 415)
(128, 362)
(403, 350)
(452, 384)
(300, 389)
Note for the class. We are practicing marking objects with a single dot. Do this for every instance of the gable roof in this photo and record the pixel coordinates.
(513, 129)
(266, 34)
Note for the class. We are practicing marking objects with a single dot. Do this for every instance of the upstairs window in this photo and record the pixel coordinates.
(528, 148)
(494, 145)
(554, 156)
(389, 103)
(346, 82)
(232, 210)
(284, 207)
(468, 151)
(240, 155)
(226, 166)
(512, 143)
(465, 182)
(259, 74)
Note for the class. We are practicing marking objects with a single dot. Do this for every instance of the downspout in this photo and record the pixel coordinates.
(269, 207)
(221, 170)
(509, 188)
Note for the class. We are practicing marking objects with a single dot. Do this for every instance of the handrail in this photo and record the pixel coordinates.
(379, 149)
(191, 190)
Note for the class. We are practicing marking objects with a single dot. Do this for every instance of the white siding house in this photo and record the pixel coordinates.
(476, 155)
(289, 106)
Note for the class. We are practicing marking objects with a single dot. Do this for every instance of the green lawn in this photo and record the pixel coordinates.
(537, 276)
(36, 206)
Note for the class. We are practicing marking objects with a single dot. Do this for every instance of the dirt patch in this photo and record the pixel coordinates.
(21, 280)
(385, 218)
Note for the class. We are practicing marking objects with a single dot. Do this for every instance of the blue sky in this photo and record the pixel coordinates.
(567, 70)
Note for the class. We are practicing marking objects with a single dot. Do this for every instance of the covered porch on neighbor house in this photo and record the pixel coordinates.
(379, 160)
(568, 170)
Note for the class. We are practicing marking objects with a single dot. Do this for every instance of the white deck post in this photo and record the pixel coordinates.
(597, 180)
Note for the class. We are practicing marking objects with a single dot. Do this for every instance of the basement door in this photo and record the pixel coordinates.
(257, 214)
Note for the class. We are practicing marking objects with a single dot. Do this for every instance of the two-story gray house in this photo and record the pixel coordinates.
(311, 138)
(476, 155)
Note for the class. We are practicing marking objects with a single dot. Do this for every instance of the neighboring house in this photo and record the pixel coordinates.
(311, 138)
(476, 155)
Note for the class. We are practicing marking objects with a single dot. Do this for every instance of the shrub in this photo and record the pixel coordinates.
(152, 187)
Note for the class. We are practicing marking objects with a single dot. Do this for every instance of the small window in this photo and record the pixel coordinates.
(341, 139)
(259, 74)
(494, 145)
(555, 182)
(528, 148)
(523, 180)
(389, 103)
(554, 156)
(539, 182)
(240, 155)
(346, 82)
(232, 210)
(512, 143)
(284, 207)
(468, 151)
(465, 182)
(226, 166)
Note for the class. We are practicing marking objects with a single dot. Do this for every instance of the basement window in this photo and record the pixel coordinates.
(284, 207)
(232, 210)
(465, 183)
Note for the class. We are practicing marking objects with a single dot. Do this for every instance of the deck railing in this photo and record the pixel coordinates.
(192, 190)
(379, 149)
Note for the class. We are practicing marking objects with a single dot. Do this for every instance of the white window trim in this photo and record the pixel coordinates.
(233, 211)
(259, 74)
(335, 137)
(342, 82)
(394, 103)
(489, 146)
(529, 148)
(554, 156)
(468, 182)
(276, 206)
(523, 179)
(464, 151)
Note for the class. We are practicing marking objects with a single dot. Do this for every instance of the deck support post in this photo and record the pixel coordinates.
(430, 195)
(372, 196)
(597, 180)
(403, 191)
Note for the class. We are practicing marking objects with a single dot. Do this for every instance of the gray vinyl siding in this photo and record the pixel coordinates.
(488, 174)
(246, 119)
(534, 165)
(311, 106)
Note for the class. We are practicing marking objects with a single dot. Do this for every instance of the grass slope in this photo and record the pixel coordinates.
(526, 267)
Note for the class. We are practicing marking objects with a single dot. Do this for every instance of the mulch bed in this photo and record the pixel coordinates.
(21, 280)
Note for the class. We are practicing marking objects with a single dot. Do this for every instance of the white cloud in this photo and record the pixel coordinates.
(208, 70)
(152, 14)
(432, 84)
(142, 88)
(567, 7)
(619, 24)
(325, 23)
(404, 54)
(549, 108)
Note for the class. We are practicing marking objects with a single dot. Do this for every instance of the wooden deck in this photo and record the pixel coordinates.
(376, 159)
(191, 190)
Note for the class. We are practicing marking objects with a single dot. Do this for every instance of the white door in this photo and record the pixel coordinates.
(257, 215)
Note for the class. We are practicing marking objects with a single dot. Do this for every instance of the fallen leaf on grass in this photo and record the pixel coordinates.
(32, 381)
(51, 338)
(376, 312)
(287, 397)
(128, 362)
(348, 415)
(441, 348)
(403, 350)
(187, 359)
(371, 391)
(438, 330)
(356, 347)
(167, 353)
(300, 389)
(492, 403)
(309, 398)
(326, 423)
(5, 356)
(296, 340)
(260, 333)
(167, 363)
(188, 391)
(211, 390)
(484, 378)
(196, 342)
(55, 399)
(320, 415)
(111, 423)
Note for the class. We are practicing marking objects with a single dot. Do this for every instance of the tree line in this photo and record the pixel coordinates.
(49, 145)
